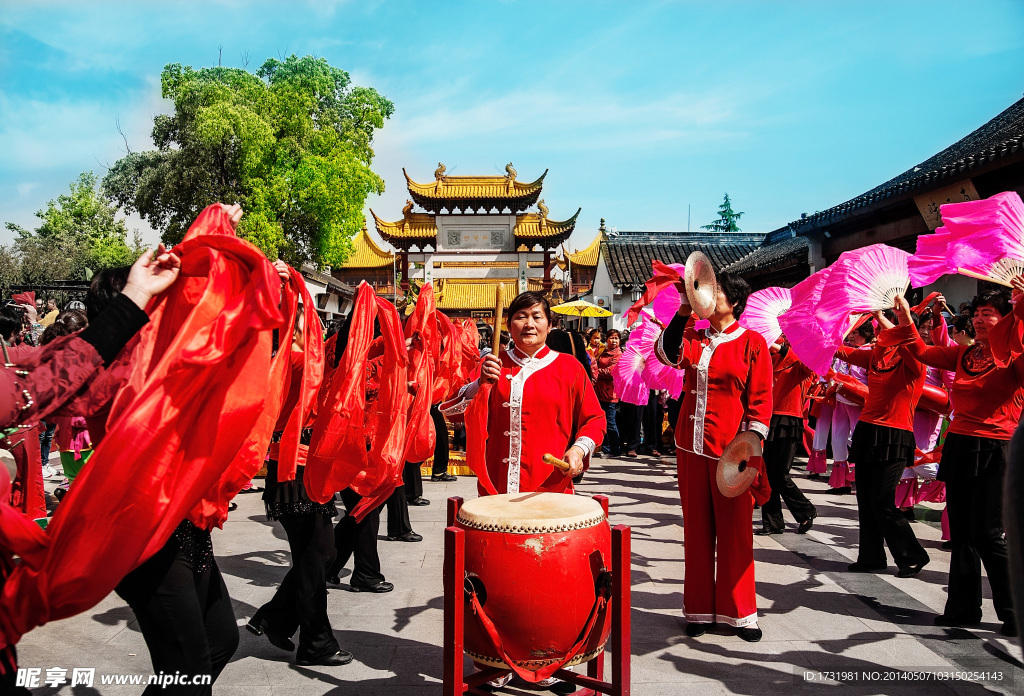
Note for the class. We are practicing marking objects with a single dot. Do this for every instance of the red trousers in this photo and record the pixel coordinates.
(27, 492)
(722, 591)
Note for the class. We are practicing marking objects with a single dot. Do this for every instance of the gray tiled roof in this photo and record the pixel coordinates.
(771, 255)
(1001, 137)
(629, 262)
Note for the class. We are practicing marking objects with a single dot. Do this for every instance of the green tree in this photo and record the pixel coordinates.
(10, 270)
(291, 143)
(727, 219)
(77, 231)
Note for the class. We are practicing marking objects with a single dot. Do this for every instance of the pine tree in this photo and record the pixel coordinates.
(727, 219)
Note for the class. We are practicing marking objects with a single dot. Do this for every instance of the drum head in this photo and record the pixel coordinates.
(531, 513)
(734, 476)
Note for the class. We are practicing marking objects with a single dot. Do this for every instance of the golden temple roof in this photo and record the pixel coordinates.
(479, 294)
(421, 229)
(367, 254)
(584, 257)
(475, 192)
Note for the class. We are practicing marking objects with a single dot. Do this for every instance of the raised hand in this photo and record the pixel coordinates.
(490, 368)
(234, 212)
(154, 272)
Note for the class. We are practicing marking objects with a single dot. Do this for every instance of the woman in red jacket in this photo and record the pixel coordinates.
(882, 447)
(988, 390)
(791, 380)
(728, 390)
(604, 384)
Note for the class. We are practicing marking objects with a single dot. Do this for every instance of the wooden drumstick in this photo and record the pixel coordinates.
(557, 463)
(499, 309)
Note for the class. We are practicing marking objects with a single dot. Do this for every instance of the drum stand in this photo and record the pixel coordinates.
(457, 682)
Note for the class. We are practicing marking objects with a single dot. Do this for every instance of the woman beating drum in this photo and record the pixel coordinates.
(528, 402)
(729, 390)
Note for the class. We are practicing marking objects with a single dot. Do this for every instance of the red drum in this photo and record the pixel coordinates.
(851, 388)
(934, 399)
(537, 581)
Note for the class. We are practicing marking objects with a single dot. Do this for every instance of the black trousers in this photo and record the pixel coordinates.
(653, 416)
(185, 618)
(399, 522)
(778, 460)
(413, 480)
(630, 422)
(975, 507)
(301, 600)
(881, 522)
(359, 540)
(441, 443)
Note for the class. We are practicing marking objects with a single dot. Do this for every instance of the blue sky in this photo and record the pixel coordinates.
(637, 108)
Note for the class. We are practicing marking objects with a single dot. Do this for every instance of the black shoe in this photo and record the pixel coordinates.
(911, 571)
(408, 536)
(765, 531)
(563, 687)
(258, 626)
(598, 454)
(956, 621)
(694, 630)
(377, 587)
(419, 502)
(1009, 628)
(814, 477)
(445, 477)
(805, 526)
(751, 634)
(909, 514)
(333, 580)
(947, 545)
(845, 490)
(859, 567)
(342, 657)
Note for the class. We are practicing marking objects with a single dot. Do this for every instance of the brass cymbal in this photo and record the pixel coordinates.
(701, 284)
(733, 475)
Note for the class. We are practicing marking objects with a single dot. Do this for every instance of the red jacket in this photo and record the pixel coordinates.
(601, 371)
(987, 397)
(895, 381)
(728, 390)
(791, 380)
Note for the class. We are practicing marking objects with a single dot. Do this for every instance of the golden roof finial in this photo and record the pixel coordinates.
(439, 172)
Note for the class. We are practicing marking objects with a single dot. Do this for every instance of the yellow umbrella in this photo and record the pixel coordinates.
(581, 308)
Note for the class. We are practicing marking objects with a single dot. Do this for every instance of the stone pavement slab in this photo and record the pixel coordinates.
(816, 617)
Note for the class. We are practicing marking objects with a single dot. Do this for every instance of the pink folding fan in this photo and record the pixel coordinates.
(987, 237)
(931, 259)
(763, 310)
(629, 384)
(806, 337)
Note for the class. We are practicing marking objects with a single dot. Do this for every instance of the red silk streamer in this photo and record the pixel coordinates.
(341, 407)
(476, 437)
(212, 510)
(449, 378)
(186, 412)
(760, 488)
(423, 356)
(470, 349)
(312, 376)
(385, 462)
(25, 297)
(920, 308)
(664, 276)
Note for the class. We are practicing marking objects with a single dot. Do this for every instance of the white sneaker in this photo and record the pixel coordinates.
(49, 472)
(501, 681)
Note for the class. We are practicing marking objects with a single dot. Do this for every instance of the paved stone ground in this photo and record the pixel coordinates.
(814, 614)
